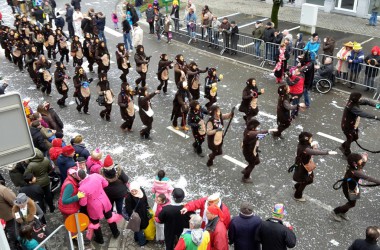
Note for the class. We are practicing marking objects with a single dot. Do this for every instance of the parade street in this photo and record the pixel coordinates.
(172, 150)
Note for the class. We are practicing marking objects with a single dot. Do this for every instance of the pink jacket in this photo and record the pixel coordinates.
(162, 187)
(93, 166)
(95, 198)
(158, 211)
(114, 17)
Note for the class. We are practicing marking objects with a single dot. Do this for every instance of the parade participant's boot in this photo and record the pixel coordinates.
(195, 147)
(176, 127)
(344, 216)
(335, 216)
(185, 128)
(302, 199)
(210, 161)
(199, 151)
(108, 118)
(246, 180)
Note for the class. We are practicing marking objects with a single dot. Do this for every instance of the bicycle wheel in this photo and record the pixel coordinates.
(323, 86)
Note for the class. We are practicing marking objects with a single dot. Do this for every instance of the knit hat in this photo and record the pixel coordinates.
(68, 150)
(269, 23)
(214, 197)
(96, 154)
(178, 195)
(279, 211)
(215, 210)
(136, 186)
(21, 199)
(108, 163)
(246, 208)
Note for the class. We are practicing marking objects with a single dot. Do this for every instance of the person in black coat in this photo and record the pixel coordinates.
(163, 72)
(268, 37)
(251, 140)
(136, 201)
(127, 107)
(122, 59)
(105, 90)
(307, 68)
(38, 15)
(145, 111)
(284, 109)
(142, 62)
(198, 126)
(249, 99)
(38, 138)
(69, 20)
(87, 24)
(173, 220)
(370, 242)
(117, 188)
(243, 228)
(234, 38)
(193, 76)
(133, 13)
(33, 191)
(60, 80)
(76, 4)
(351, 117)
(305, 150)
(181, 106)
(350, 184)
(274, 234)
(175, 12)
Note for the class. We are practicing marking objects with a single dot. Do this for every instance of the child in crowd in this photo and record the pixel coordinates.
(161, 202)
(115, 20)
(94, 163)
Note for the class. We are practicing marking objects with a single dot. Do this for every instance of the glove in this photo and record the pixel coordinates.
(219, 129)
(272, 130)
(332, 152)
(40, 70)
(378, 106)
(80, 195)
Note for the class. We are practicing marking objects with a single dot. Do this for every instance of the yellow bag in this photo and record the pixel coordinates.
(150, 230)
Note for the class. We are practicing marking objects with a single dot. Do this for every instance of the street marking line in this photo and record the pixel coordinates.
(366, 41)
(113, 32)
(234, 14)
(267, 115)
(319, 203)
(178, 132)
(330, 137)
(236, 162)
(294, 28)
(247, 24)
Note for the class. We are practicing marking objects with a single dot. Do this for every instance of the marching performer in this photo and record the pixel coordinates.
(82, 92)
(105, 90)
(102, 57)
(180, 69)
(87, 51)
(77, 52)
(145, 111)
(62, 45)
(215, 132)
(181, 106)
(198, 126)
(122, 58)
(163, 72)
(142, 62)
(249, 99)
(193, 74)
(50, 41)
(211, 86)
(127, 108)
(61, 83)
(44, 76)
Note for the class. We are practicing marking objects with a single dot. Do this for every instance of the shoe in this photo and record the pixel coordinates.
(302, 199)
(86, 113)
(185, 128)
(117, 234)
(100, 242)
(335, 216)
(344, 216)
(130, 51)
(248, 180)
(201, 154)
(209, 163)
(102, 116)
(176, 127)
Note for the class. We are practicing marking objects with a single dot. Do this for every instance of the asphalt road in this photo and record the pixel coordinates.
(169, 151)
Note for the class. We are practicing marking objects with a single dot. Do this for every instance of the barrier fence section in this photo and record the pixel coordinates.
(352, 74)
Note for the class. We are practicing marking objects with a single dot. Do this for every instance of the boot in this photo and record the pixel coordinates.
(98, 236)
(114, 230)
(210, 162)
(195, 147)
(199, 151)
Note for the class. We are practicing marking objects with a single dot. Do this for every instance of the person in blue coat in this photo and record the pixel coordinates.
(243, 228)
(313, 46)
(66, 161)
(355, 60)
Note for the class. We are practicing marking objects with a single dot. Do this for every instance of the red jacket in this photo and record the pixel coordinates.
(296, 84)
(218, 237)
(72, 207)
(200, 204)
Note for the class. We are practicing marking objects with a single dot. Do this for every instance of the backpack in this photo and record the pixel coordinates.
(59, 22)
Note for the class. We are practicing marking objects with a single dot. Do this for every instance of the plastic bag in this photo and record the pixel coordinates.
(150, 230)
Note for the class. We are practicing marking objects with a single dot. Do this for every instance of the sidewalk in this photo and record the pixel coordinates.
(289, 13)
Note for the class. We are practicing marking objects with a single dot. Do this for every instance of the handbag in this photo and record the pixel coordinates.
(310, 166)
(134, 220)
(101, 100)
(353, 195)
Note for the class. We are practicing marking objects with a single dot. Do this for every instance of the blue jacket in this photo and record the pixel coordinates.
(64, 163)
(100, 23)
(313, 47)
(81, 151)
(357, 58)
(242, 231)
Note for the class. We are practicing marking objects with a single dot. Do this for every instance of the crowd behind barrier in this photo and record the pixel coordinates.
(362, 74)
